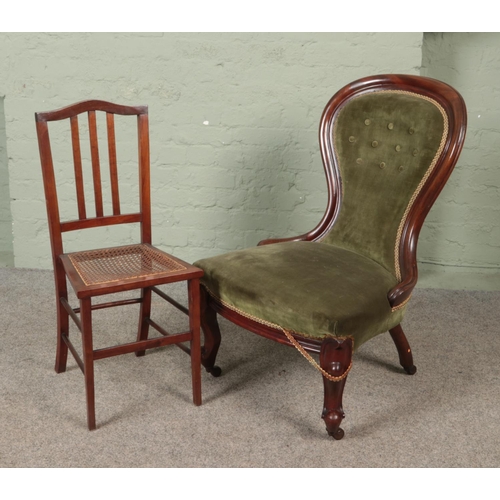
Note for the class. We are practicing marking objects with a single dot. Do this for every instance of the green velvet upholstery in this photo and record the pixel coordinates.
(313, 289)
(385, 143)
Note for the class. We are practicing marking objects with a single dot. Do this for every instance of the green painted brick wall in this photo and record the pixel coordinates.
(233, 120)
(459, 245)
(6, 247)
(234, 149)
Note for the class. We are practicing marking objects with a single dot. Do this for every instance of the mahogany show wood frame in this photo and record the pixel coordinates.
(336, 354)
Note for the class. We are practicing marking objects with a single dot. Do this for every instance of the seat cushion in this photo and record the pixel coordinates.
(313, 289)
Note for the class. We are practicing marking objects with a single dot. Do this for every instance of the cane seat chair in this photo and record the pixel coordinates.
(388, 145)
(103, 271)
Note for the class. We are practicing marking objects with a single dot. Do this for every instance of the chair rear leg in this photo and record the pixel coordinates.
(335, 359)
(144, 315)
(62, 319)
(88, 360)
(211, 333)
(194, 326)
(62, 329)
(404, 350)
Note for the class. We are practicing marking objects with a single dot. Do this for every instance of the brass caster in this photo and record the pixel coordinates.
(410, 370)
(337, 435)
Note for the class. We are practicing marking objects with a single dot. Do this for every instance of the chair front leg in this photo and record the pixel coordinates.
(144, 315)
(335, 359)
(88, 359)
(211, 333)
(404, 350)
(194, 326)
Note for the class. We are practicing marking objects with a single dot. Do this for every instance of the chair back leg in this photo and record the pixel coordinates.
(404, 350)
(62, 320)
(62, 329)
(144, 315)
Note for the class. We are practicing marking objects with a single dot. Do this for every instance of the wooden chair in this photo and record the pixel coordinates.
(388, 145)
(104, 271)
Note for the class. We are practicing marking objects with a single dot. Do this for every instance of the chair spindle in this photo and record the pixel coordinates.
(77, 160)
(96, 169)
(113, 170)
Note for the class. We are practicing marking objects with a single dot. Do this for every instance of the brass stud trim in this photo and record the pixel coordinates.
(390, 126)
(352, 138)
(382, 164)
(374, 144)
(359, 161)
(367, 122)
(398, 148)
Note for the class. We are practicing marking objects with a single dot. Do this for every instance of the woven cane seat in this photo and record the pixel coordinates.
(108, 265)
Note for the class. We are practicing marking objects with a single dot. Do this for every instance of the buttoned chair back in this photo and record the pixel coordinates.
(387, 154)
(385, 145)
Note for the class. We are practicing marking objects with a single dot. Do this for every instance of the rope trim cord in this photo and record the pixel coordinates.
(424, 178)
(429, 171)
(290, 337)
(313, 362)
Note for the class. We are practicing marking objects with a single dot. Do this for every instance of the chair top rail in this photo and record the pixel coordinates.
(91, 105)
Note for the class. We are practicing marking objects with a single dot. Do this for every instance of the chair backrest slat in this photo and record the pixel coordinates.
(145, 188)
(113, 171)
(142, 215)
(96, 168)
(77, 160)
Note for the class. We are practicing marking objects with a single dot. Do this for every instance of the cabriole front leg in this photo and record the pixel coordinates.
(335, 360)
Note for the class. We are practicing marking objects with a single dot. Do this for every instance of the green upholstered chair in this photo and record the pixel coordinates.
(388, 144)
